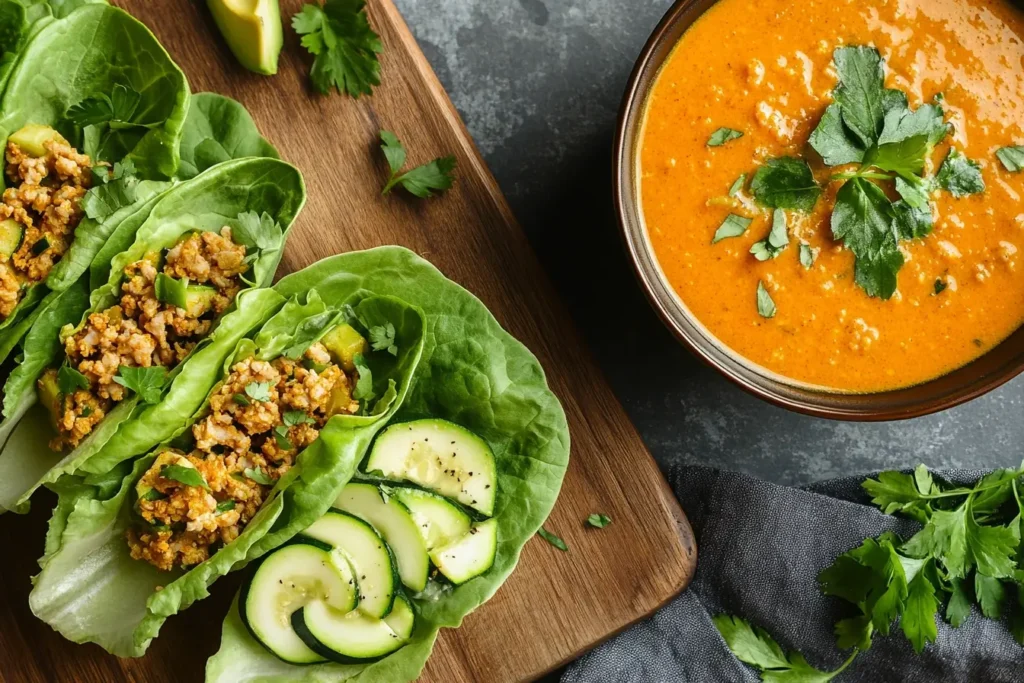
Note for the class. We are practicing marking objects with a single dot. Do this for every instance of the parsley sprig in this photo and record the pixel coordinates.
(344, 47)
(423, 181)
(755, 647)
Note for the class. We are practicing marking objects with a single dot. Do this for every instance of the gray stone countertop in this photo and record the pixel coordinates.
(538, 83)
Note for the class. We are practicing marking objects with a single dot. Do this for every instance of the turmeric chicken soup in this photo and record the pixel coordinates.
(834, 189)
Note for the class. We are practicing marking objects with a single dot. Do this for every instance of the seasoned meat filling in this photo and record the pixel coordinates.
(142, 331)
(261, 416)
(44, 199)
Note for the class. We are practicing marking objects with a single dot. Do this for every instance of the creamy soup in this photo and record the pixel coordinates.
(748, 83)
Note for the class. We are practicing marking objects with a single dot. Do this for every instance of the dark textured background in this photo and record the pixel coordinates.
(539, 83)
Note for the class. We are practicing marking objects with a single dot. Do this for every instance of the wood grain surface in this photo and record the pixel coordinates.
(556, 605)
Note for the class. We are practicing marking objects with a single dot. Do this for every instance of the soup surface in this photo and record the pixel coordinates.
(765, 68)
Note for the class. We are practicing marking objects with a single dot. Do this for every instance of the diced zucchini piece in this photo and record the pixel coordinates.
(33, 137)
(286, 581)
(471, 555)
(41, 245)
(368, 555)
(171, 290)
(344, 343)
(440, 456)
(341, 399)
(199, 299)
(392, 520)
(354, 637)
(11, 234)
(439, 521)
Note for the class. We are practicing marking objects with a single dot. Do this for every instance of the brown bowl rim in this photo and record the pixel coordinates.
(989, 371)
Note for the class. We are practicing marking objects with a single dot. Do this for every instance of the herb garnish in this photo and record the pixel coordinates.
(296, 417)
(117, 109)
(344, 46)
(259, 232)
(785, 183)
(258, 391)
(189, 476)
(807, 255)
(422, 181)
(777, 239)
(1012, 158)
(732, 226)
(723, 135)
(226, 505)
(765, 305)
(281, 435)
(112, 190)
(552, 539)
(382, 338)
(257, 475)
(70, 379)
(737, 185)
(148, 383)
(599, 521)
(755, 647)
(363, 390)
(940, 285)
(959, 176)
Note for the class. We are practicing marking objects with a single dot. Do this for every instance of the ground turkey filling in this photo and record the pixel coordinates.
(142, 331)
(260, 417)
(45, 199)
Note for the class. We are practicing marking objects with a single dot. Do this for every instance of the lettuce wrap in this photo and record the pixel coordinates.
(273, 193)
(473, 373)
(89, 54)
(91, 590)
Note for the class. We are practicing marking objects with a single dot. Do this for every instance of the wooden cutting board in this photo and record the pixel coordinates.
(556, 605)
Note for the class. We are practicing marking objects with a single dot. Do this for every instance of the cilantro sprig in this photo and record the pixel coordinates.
(343, 45)
(147, 383)
(382, 338)
(423, 181)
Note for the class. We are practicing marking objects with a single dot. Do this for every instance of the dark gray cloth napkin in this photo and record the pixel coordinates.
(760, 548)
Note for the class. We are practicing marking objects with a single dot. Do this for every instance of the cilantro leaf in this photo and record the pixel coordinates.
(422, 181)
(785, 183)
(382, 338)
(876, 273)
(257, 231)
(552, 539)
(960, 543)
(854, 632)
(959, 606)
(940, 286)
(344, 46)
(907, 138)
(860, 93)
(990, 594)
(101, 201)
(69, 379)
(258, 391)
(189, 476)
(807, 255)
(732, 226)
(959, 176)
(834, 141)
(118, 108)
(226, 505)
(737, 185)
(1012, 158)
(241, 400)
(363, 390)
(722, 136)
(257, 475)
(281, 435)
(917, 620)
(896, 492)
(148, 383)
(755, 647)
(296, 417)
(863, 218)
(777, 239)
(765, 304)
(914, 191)
(599, 521)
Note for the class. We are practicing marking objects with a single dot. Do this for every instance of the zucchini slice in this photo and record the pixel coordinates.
(11, 234)
(392, 520)
(367, 553)
(354, 637)
(471, 555)
(288, 579)
(440, 456)
(439, 521)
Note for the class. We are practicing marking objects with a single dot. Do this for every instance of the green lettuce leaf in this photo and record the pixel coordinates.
(74, 592)
(207, 202)
(217, 129)
(474, 373)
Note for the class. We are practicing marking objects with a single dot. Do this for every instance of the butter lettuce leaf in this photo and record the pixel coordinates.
(218, 129)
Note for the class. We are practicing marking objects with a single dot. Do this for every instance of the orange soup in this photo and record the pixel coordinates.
(863, 289)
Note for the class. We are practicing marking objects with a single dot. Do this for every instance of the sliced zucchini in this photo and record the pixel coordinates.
(392, 520)
(199, 299)
(344, 343)
(368, 554)
(11, 234)
(289, 579)
(353, 637)
(33, 137)
(439, 521)
(171, 290)
(469, 556)
(440, 456)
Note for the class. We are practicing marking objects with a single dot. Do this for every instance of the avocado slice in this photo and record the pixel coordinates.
(33, 137)
(11, 234)
(252, 29)
(49, 393)
(344, 343)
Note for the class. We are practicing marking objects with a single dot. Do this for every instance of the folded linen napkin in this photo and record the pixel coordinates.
(760, 549)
